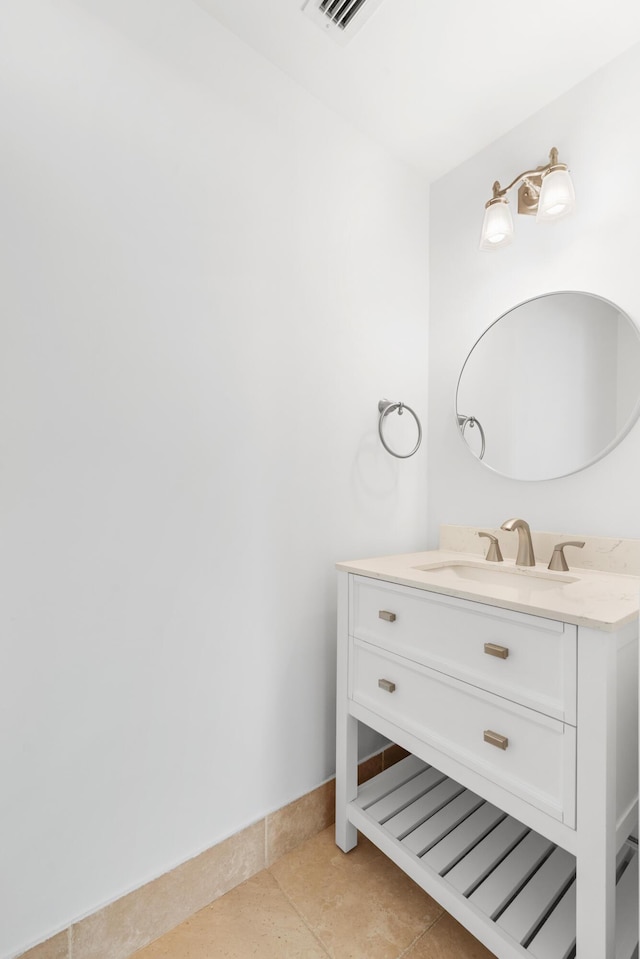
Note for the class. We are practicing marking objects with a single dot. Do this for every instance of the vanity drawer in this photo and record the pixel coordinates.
(538, 763)
(527, 659)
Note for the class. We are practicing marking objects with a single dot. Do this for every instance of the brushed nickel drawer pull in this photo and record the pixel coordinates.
(494, 650)
(387, 685)
(495, 739)
(385, 614)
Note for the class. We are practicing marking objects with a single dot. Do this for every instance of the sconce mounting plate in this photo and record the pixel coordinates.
(529, 194)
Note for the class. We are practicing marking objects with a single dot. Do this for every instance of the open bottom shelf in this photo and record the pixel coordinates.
(513, 888)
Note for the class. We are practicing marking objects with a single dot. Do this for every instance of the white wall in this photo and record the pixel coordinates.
(595, 250)
(207, 282)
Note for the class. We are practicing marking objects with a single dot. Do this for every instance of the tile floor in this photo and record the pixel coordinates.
(316, 902)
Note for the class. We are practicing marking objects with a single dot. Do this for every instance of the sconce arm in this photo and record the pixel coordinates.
(499, 191)
(502, 191)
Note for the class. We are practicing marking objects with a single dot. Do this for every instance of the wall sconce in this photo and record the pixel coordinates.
(546, 192)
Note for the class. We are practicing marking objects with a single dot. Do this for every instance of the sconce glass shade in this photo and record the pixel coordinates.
(557, 196)
(497, 229)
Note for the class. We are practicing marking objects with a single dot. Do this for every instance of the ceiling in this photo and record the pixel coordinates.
(437, 80)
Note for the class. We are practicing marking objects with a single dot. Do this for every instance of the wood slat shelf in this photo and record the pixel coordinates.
(518, 887)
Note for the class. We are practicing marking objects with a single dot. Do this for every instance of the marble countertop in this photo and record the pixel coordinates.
(584, 597)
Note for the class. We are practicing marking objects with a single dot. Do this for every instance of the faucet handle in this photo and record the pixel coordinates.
(493, 553)
(558, 561)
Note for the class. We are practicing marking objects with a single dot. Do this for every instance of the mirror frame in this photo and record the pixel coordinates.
(633, 419)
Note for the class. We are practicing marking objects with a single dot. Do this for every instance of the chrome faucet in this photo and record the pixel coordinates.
(493, 553)
(558, 560)
(525, 555)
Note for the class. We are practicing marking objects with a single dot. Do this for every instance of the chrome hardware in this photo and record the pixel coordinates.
(491, 649)
(558, 561)
(386, 615)
(525, 555)
(387, 685)
(493, 553)
(464, 421)
(385, 407)
(495, 739)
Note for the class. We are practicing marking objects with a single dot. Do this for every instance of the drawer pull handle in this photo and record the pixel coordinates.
(387, 685)
(495, 739)
(385, 614)
(493, 650)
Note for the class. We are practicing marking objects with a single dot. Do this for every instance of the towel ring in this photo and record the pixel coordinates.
(385, 407)
(464, 421)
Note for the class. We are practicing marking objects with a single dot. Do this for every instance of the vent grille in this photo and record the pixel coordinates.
(340, 18)
(341, 12)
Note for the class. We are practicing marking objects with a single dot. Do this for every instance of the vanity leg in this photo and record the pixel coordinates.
(346, 728)
(346, 784)
(596, 789)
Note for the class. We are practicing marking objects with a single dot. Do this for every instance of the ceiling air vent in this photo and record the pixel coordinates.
(340, 18)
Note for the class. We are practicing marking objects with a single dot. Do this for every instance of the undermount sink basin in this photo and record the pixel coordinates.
(533, 580)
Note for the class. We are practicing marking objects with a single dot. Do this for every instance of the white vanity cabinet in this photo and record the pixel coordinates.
(515, 805)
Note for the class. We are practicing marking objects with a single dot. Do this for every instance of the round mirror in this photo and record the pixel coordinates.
(551, 386)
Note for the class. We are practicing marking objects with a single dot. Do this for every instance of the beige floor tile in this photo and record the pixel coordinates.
(55, 948)
(131, 922)
(447, 939)
(360, 905)
(300, 820)
(392, 755)
(255, 919)
(369, 768)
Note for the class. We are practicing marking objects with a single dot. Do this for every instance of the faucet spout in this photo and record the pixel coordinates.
(525, 555)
